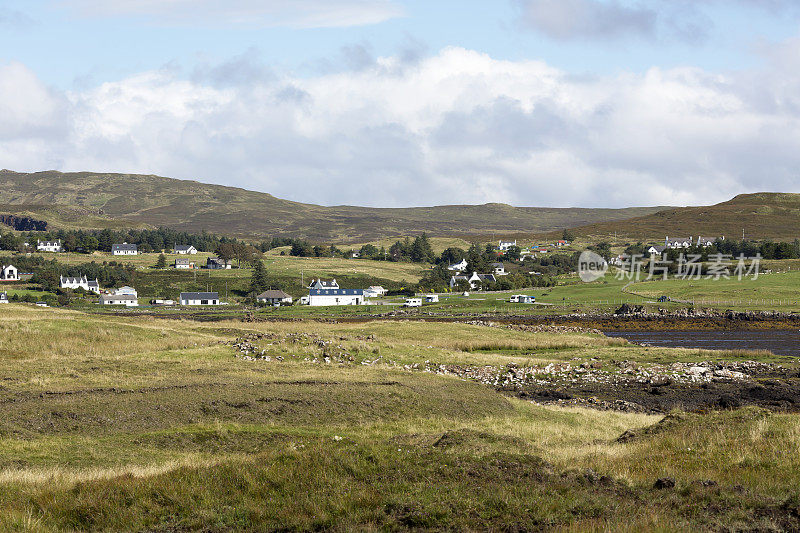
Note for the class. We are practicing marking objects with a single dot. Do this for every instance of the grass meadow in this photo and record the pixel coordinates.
(143, 424)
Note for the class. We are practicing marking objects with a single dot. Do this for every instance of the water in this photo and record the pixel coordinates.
(780, 342)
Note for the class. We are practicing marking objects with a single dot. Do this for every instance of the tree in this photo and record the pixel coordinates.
(421, 251)
(225, 252)
(161, 262)
(568, 236)
(514, 253)
(258, 281)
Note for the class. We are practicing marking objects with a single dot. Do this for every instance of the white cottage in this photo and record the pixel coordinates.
(9, 273)
(185, 249)
(80, 282)
(3, 298)
(124, 249)
(49, 246)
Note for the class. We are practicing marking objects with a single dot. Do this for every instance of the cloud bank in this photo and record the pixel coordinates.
(604, 20)
(456, 127)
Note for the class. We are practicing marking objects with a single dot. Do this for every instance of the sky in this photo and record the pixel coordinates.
(395, 103)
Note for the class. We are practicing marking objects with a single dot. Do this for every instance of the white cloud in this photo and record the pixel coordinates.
(259, 13)
(457, 127)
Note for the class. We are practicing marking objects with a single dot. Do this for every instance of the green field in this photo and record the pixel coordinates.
(141, 424)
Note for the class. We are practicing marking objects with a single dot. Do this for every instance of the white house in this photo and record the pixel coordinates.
(374, 291)
(499, 269)
(124, 249)
(477, 279)
(49, 246)
(682, 242)
(522, 299)
(656, 250)
(9, 273)
(128, 300)
(505, 245)
(705, 242)
(317, 297)
(199, 298)
(274, 297)
(3, 298)
(413, 302)
(185, 249)
(461, 266)
(184, 263)
(319, 284)
(431, 298)
(81, 282)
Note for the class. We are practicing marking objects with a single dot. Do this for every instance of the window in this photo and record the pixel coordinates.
(203, 302)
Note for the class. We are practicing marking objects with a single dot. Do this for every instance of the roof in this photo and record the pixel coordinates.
(336, 292)
(497, 264)
(658, 249)
(183, 261)
(459, 277)
(273, 295)
(326, 284)
(199, 296)
(124, 246)
(183, 246)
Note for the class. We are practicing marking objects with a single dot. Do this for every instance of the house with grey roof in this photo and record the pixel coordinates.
(124, 249)
(274, 297)
(184, 263)
(3, 297)
(199, 298)
(681, 242)
(215, 263)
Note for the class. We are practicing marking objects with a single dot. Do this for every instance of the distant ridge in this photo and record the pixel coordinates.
(144, 200)
(763, 215)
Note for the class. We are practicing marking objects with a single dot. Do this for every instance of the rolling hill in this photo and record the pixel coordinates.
(95, 200)
(760, 215)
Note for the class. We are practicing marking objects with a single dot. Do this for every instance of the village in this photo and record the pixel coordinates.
(459, 277)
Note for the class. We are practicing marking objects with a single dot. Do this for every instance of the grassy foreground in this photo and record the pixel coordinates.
(141, 424)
